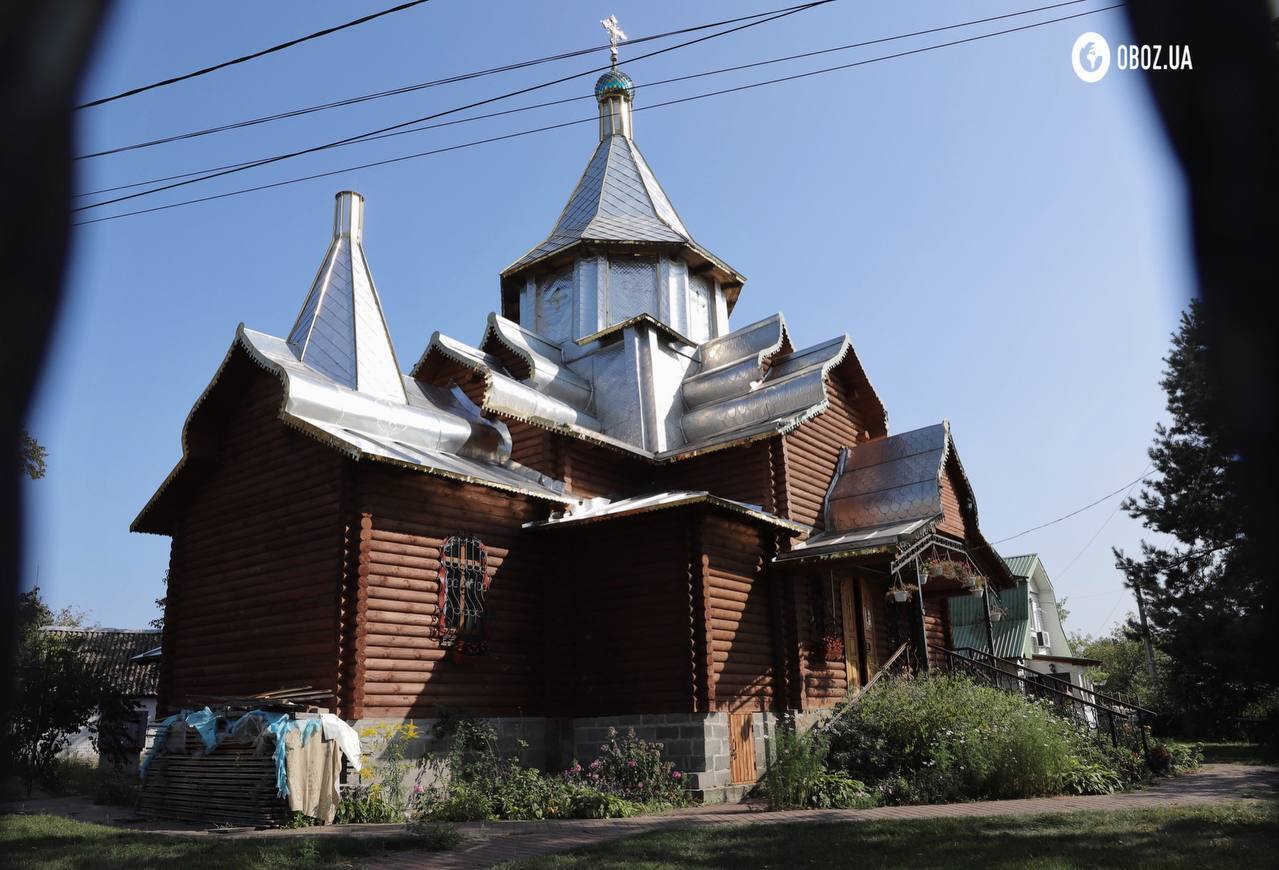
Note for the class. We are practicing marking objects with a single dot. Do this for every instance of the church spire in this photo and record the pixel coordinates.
(341, 331)
(614, 90)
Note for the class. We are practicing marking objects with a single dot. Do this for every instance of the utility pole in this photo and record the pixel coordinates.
(1145, 632)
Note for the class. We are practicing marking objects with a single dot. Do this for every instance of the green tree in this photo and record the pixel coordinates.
(57, 694)
(31, 456)
(1202, 582)
(1123, 668)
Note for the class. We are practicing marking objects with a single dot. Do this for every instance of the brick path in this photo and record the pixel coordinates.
(492, 843)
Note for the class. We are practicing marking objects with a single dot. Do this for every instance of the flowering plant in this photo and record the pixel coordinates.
(631, 768)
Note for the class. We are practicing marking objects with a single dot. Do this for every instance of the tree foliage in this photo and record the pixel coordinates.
(31, 456)
(57, 694)
(1123, 669)
(1202, 581)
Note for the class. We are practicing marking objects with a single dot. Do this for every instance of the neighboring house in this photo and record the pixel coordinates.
(1029, 632)
(129, 657)
(586, 520)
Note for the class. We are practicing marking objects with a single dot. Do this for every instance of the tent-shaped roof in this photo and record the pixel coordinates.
(617, 199)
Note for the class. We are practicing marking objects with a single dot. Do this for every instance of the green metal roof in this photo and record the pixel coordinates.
(1021, 566)
(1012, 633)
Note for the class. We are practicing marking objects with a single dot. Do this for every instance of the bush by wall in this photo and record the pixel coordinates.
(474, 781)
(944, 738)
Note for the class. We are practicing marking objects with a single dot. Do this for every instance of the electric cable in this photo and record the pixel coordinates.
(247, 57)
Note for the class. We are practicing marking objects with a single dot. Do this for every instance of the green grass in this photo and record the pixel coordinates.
(43, 842)
(1238, 753)
(1235, 835)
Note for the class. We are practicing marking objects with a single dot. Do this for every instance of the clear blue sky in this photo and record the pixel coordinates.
(1006, 245)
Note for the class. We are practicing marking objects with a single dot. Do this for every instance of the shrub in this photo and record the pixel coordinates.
(944, 738)
(474, 781)
(366, 804)
(632, 769)
(798, 763)
(386, 761)
(836, 790)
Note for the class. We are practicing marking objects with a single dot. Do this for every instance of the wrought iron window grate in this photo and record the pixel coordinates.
(464, 583)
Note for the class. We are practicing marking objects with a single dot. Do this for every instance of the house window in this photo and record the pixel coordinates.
(463, 581)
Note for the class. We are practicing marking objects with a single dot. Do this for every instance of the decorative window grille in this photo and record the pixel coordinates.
(464, 582)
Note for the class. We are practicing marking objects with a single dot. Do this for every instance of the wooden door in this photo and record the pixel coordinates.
(741, 747)
(852, 661)
(871, 650)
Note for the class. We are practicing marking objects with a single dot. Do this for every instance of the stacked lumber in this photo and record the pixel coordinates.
(235, 784)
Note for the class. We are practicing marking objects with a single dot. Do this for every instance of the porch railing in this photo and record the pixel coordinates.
(899, 660)
(1084, 707)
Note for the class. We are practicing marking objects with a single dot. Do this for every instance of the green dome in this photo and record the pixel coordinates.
(614, 82)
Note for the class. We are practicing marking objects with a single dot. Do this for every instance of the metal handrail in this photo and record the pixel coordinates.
(1116, 702)
(852, 698)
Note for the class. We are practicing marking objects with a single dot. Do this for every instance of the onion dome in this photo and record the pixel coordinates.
(614, 82)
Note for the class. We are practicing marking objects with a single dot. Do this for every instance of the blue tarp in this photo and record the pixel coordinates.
(207, 723)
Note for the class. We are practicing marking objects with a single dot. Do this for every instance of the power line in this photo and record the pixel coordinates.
(247, 57)
(1090, 504)
(594, 119)
(1102, 527)
(405, 89)
(645, 86)
(402, 124)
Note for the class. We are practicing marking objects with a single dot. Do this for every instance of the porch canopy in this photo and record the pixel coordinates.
(905, 500)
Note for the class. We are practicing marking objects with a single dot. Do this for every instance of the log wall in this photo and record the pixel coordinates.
(952, 522)
(743, 656)
(622, 628)
(824, 683)
(812, 452)
(257, 562)
(751, 473)
(405, 519)
(937, 628)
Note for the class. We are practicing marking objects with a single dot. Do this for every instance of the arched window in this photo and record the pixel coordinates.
(463, 580)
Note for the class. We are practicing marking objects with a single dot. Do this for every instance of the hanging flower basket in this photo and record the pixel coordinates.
(899, 594)
(977, 591)
(936, 568)
(996, 614)
(832, 647)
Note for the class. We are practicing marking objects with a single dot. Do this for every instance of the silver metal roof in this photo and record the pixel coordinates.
(341, 331)
(597, 510)
(747, 384)
(890, 480)
(832, 545)
(617, 198)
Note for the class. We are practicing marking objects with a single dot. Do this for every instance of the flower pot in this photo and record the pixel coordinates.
(996, 615)
(833, 647)
(935, 569)
(977, 591)
(901, 596)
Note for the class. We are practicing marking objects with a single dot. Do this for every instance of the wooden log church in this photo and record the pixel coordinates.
(617, 509)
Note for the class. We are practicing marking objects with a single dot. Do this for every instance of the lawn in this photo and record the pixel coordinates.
(53, 843)
(1240, 834)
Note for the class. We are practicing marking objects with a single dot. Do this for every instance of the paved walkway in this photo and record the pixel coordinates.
(508, 841)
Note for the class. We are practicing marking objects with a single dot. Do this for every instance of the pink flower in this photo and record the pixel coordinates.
(675, 774)
(631, 764)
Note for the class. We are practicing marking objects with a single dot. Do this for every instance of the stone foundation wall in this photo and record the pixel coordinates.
(695, 743)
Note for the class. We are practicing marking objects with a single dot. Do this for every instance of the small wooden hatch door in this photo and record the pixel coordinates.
(741, 747)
